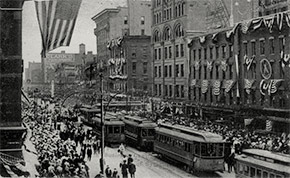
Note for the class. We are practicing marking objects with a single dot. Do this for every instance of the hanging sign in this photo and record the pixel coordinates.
(269, 86)
(266, 69)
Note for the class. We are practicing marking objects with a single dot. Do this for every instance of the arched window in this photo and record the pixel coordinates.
(167, 34)
(156, 36)
(179, 31)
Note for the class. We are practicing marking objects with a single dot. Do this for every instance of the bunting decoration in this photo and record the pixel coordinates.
(109, 44)
(119, 41)
(257, 23)
(238, 73)
(285, 60)
(193, 82)
(249, 61)
(202, 39)
(279, 20)
(228, 85)
(114, 42)
(269, 86)
(224, 65)
(197, 65)
(245, 26)
(13, 166)
(165, 106)
(248, 85)
(287, 17)
(204, 86)
(216, 87)
(232, 31)
(269, 22)
(56, 21)
(117, 65)
(209, 65)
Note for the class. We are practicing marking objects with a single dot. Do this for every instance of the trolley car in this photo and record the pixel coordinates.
(114, 128)
(196, 150)
(139, 132)
(262, 164)
(88, 114)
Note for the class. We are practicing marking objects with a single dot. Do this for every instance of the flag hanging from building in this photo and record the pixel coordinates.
(56, 19)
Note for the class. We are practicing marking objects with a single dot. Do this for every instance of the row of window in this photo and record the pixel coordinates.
(208, 53)
(180, 144)
(274, 101)
(167, 13)
(271, 43)
(254, 70)
(142, 20)
(179, 71)
(167, 35)
(209, 74)
(179, 91)
(179, 52)
(256, 172)
(115, 129)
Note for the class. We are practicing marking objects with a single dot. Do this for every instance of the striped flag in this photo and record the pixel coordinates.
(56, 19)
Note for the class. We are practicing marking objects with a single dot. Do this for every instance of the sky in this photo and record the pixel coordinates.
(83, 32)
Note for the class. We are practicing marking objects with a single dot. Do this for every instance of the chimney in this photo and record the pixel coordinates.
(82, 48)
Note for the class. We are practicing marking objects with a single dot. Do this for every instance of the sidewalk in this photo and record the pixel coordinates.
(28, 154)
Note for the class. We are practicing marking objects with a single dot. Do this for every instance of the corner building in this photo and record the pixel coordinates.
(242, 73)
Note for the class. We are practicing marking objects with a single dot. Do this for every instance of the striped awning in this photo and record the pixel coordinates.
(12, 167)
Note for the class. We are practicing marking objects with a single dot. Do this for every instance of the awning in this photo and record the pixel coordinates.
(12, 167)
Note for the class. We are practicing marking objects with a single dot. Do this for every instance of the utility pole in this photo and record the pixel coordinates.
(102, 126)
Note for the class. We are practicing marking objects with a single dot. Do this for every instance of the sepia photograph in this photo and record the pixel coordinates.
(145, 88)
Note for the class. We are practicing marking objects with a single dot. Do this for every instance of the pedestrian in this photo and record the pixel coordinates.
(108, 172)
(115, 173)
(132, 169)
(89, 153)
(124, 168)
(130, 159)
(121, 149)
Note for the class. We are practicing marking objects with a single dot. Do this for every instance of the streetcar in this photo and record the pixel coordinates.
(195, 150)
(139, 132)
(262, 164)
(87, 113)
(114, 128)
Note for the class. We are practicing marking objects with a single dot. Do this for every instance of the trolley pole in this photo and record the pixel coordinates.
(102, 126)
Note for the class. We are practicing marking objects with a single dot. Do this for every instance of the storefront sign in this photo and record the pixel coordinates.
(266, 69)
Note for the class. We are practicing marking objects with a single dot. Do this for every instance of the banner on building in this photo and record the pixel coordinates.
(269, 86)
(248, 121)
(228, 85)
(269, 125)
(209, 65)
(204, 86)
(248, 85)
(56, 19)
(216, 87)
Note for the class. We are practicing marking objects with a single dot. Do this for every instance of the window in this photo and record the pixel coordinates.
(167, 34)
(142, 32)
(259, 173)
(156, 36)
(181, 50)
(217, 52)
(176, 70)
(170, 71)
(282, 44)
(253, 45)
(205, 71)
(265, 174)
(170, 90)
(170, 52)
(272, 47)
(224, 50)
(231, 71)
(155, 54)
(159, 53)
(217, 72)
(182, 91)
(133, 67)
(205, 53)
(155, 71)
(165, 71)
(165, 52)
(193, 55)
(165, 90)
(110, 129)
(182, 70)
(246, 170)
(142, 20)
(159, 71)
(199, 53)
(210, 52)
(126, 20)
(177, 90)
(252, 172)
(262, 47)
(155, 89)
(231, 50)
(116, 129)
(176, 50)
(245, 48)
(144, 67)
(160, 93)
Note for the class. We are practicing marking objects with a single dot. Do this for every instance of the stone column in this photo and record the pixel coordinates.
(11, 68)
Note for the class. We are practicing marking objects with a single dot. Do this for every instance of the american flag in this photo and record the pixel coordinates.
(56, 20)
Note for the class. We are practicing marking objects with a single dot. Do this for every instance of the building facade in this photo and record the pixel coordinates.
(115, 23)
(129, 66)
(243, 72)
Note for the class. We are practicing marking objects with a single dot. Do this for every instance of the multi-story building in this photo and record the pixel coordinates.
(243, 72)
(267, 7)
(33, 76)
(129, 66)
(115, 23)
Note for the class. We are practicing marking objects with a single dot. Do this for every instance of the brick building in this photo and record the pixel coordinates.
(115, 23)
(130, 66)
(243, 72)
